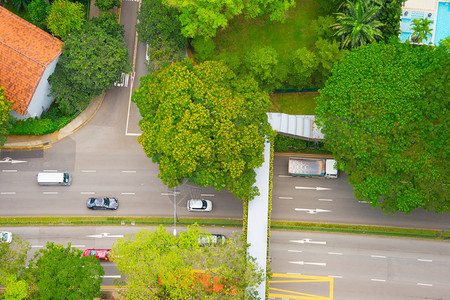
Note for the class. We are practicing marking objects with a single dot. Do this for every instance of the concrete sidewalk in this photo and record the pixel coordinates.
(36, 142)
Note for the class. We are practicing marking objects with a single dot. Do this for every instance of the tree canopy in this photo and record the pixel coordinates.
(5, 109)
(202, 18)
(63, 273)
(158, 265)
(92, 60)
(204, 124)
(384, 112)
(65, 17)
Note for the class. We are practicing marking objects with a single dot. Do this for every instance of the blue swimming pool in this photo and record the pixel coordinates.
(442, 22)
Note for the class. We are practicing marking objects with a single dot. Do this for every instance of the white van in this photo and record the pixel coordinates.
(45, 178)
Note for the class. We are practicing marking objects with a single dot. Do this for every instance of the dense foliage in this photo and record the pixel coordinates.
(165, 266)
(5, 109)
(204, 124)
(202, 18)
(92, 60)
(38, 12)
(64, 273)
(384, 112)
(65, 17)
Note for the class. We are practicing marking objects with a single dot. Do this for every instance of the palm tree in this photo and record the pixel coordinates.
(358, 24)
(421, 29)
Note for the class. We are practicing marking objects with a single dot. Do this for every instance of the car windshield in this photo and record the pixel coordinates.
(4, 236)
(204, 204)
(92, 253)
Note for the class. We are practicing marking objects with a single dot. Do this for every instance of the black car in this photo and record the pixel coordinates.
(102, 203)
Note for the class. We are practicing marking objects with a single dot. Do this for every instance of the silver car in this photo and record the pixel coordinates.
(194, 205)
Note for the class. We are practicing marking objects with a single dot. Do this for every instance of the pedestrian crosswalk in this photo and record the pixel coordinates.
(124, 81)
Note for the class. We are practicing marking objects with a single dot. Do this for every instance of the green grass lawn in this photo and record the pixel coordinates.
(294, 103)
(294, 33)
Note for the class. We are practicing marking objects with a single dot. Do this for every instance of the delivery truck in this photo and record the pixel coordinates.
(312, 167)
(47, 178)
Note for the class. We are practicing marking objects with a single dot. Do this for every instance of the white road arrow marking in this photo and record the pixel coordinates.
(104, 235)
(307, 263)
(10, 160)
(317, 188)
(308, 241)
(312, 211)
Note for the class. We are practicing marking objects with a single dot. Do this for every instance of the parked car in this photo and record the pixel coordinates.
(212, 240)
(5, 237)
(102, 203)
(102, 254)
(199, 205)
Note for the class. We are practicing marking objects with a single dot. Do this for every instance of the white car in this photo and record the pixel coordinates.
(194, 205)
(5, 237)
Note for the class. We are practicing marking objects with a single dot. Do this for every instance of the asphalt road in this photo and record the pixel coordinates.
(345, 266)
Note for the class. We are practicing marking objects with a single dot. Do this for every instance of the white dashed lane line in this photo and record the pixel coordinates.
(128, 171)
(425, 260)
(7, 193)
(50, 193)
(334, 253)
(378, 280)
(88, 171)
(128, 193)
(378, 256)
(9, 171)
(87, 193)
(424, 284)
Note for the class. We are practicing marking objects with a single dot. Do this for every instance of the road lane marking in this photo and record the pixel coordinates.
(294, 273)
(335, 276)
(49, 193)
(424, 284)
(78, 246)
(125, 171)
(363, 201)
(425, 260)
(112, 276)
(298, 251)
(105, 234)
(87, 193)
(307, 263)
(378, 256)
(7, 193)
(287, 198)
(50, 170)
(334, 253)
(379, 280)
(37, 246)
(325, 199)
(128, 193)
(9, 171)
(308, 241)
(312, 210)
(169, 194)
(284, 176)
(88, 171)
(207, 195)
(317, 188)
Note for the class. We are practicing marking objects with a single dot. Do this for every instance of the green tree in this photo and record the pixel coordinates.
(203, 17)
(384, 112)
(163, 55)
(303, 65)
(326, 53)
(63, 273)
(65, 17)
(158, 265)
(445, 43)
(358, 24)
(105, 5)
(15, 289)
(263, 65)
(389, 16)
(322, 27)
(421, 30)
(92, 60)
(108, 23)
(38, 12)
(204, 124)
(5, 109)
(13, 257)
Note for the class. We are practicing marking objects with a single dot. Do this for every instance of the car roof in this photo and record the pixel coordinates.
(196, 203)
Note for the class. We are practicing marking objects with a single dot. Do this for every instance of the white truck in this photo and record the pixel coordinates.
(313, 167)
(47, 178)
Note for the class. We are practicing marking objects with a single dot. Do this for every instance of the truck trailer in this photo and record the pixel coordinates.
(312, 167)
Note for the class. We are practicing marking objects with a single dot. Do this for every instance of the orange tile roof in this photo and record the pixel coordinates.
(25, 52)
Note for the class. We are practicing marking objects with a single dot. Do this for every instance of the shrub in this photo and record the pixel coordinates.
(33, 126)
(38, 11)
(204, 48)
(105, 5)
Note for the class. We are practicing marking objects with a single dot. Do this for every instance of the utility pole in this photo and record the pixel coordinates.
(175, 211)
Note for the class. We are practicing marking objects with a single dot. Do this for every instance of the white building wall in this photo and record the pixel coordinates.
(41, 100)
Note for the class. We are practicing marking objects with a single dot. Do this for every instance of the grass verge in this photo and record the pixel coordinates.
(294, 103)
(278, 225)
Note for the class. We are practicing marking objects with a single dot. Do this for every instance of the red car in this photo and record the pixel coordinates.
(102, 254)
